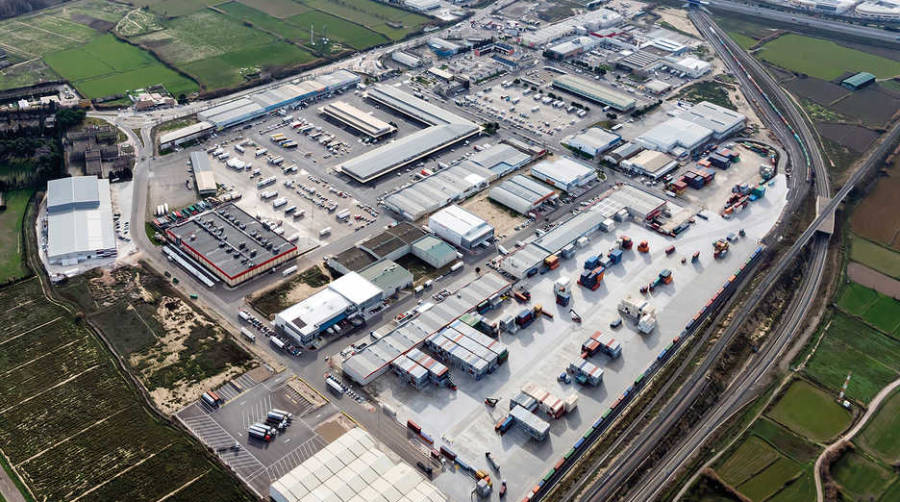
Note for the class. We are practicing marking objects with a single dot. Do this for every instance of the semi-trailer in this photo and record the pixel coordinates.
(249, 335)
(265, 182)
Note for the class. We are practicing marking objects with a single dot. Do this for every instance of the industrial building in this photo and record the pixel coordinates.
(689, 65)
(444, 48)
(650, 163)
(858, 81)
(456, 182)
(675, 135)
(521, 194)
(564, 173)
(888, 10)
(353, 469)
(595, 92)
(366, 365)
(393, 244)
(262, 102)
(204, 178)
(718, 119)
(624, 151)
(434, 251)
(406, 59)
(573, 47)
(588, 21)
(623, 201)
(445, 128)
(185, 134)
(352, 116)
(657, 86)
(79, 220)
(348, 297)
(593, 141)
(231, 244)
(460, 227)
(388, 276)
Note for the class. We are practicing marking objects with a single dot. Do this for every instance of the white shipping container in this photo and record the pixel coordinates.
(456, 266)
(281, 201)
(244, 315)
(325, 231)
(260, 152)
(288, 271)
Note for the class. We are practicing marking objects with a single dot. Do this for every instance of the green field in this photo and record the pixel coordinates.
(11, 252)
(785, 441)
(876, 257)
(801, 489)
(72, 425)
(860, 477)
(877, 309)
(824, 59)
(751, 457)
(810, 412)
(373, 15)
(856, 298)
(769, 481)
(850, 346)
(881, 436)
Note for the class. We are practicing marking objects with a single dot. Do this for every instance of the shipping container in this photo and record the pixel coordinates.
(288, 271)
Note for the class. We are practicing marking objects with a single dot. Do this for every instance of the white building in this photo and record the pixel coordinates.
(720, 120)
(79, 220)
(422, 5)
(349, 296)
(673, 134)
(888, 10)
(353, 469)
(460, 227)
(593, 141)
(689, 65)
(650, 163)
(564, 173)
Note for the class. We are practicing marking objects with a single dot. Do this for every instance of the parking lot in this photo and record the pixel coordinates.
(539, 353)
(224, 428)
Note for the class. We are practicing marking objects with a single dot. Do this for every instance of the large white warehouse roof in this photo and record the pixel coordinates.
(353, 469)
(79, 218)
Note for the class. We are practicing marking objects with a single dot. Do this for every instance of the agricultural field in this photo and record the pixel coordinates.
(881, 436)
(106, 66)
(877, 216)
(810, 412)
(174, 350)
(861, 478)
(824, 59)
(73, 427)
(875, 256)
(850, 346)
(11, 252)
(877, 309)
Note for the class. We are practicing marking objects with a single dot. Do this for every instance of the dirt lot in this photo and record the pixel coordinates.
(874, 279)
(333, 428)
(820, 91)
(175, 350)
(877, 217)
(296, 289)
(854, 137)
(875, 106)
(503, 220)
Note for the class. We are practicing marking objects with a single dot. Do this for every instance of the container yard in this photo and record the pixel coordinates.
(565, 373)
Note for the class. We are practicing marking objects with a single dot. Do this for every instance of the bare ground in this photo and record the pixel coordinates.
(501, 219)
(874, 279)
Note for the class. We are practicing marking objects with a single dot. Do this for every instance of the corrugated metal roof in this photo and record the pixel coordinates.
(76, 191)
(594, 91)
(82, 219)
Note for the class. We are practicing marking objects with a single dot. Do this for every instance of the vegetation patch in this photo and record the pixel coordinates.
(810, 412)
(290, 292)
(850, 346)
(881, 436)
(751, 457)
(823, 58)
(784, 440)
(771, 480)
(877, 217)
(707, 90)
(11, 249)
(875, 257)
(860, 477)
(802, 488)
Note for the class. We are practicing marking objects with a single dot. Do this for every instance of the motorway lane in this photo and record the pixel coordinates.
(800, 19)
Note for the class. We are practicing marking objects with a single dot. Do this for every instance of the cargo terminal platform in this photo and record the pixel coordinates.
(538, 354)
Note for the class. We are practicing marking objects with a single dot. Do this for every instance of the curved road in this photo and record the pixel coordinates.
(870, 412)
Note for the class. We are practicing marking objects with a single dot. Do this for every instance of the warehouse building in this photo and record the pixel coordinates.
(434, 251)
(366, 365)
(858, 81)
(394, 243)
(689, 65)
(231, 244)
(232, 113)
(204, 178)
(460, 227)
(593, 141)
(185, 134)
(349, 297)
(406, 59)
(352, 116)
(353, 469)
(718, 119)
(522, 195)
(445, 129)
(624, 151)
(595, 92)
(338, 80)
(388, 276)
(79, 220)
(586, 22)
(675, 135)
(500, 159)
(564, 173)
(573, 47)
(650, 163)
(657, 86)
(450, 185)
(444, 48)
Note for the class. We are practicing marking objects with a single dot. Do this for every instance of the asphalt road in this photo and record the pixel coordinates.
(797, 18)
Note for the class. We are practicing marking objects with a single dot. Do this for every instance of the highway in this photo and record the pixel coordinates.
(796, 18)
(630, 460)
